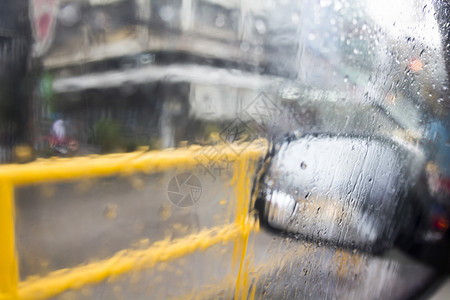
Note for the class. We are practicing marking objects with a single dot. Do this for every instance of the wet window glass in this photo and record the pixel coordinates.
(204, 149)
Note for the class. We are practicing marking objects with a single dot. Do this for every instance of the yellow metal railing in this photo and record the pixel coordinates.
(243, 156)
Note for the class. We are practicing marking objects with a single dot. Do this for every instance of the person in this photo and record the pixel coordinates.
(59, 129)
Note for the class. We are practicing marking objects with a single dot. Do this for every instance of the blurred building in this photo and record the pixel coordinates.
(162, 71)
(14, 104)
(127, 61)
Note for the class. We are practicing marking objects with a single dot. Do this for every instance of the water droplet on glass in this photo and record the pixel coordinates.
(325, 3)
(220, 20)
(69, 15)
(337, 5)
(166, 13)
(111, 211)
(260, 26)
(245, 46)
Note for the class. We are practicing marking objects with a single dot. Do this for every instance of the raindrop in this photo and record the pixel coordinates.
(259, 50)
(110, 211)
(69, 15)
(337, 5)
(166, 13)
(245, 46)
(147, 58)
(220, 20)
(325, 3)
(260, 27)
